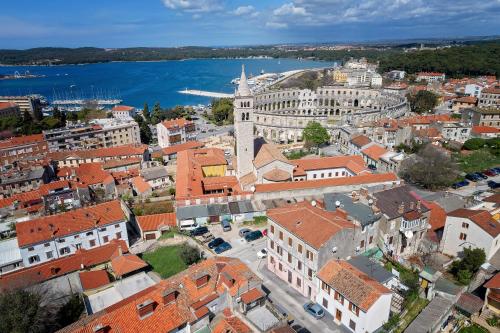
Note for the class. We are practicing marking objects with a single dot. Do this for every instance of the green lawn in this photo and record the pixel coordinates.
(166, 261)
(414, 309)
(479, 160)
(473, 329)
(258, 221)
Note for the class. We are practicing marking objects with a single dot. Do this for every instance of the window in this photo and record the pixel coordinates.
(77, 236)
(465, 225)
(290, 258)
(352, 325)
(31, 249)
(290, 242)
(118, 235)
(390, 239)
(279, 250)
(117, 226)
(78, 246)
(92, 242)
(105, 239)
(33, 259)
(370, 240)
(299, 265)
(64, 250)
(299, 282)
(49, 254)
(299, 248)
(362, 244)
(280, 267)
(309, 255)
(61, 240)
(339, 298)
(353, 308)
(102, 229)
(310, 273)
(281, 235)
(272, 259)
(463, 236)
(325, 287)
(325, 303)
(272, 229)
(90, 233)
(271, 245)
(46, 244)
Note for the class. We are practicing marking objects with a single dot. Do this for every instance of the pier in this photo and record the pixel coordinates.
(205, 93)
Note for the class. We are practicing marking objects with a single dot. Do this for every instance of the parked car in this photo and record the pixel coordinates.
(472, 177)
(215, 242)
(299, 329)
(460, 184)
(262, 254)
(207, 238)
(493, 184)
(251, 236)
(481, 175)
(314, 309)
(226, 225)
(264, 232)
(490, 173)
(199, 231)
(223, 248)
(497, 169)
(243, 232)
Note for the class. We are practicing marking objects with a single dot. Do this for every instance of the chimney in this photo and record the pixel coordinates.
(401, 208)
(419, 203)
(120, 251)
(146, 308)
(100, 328)
(412, 205)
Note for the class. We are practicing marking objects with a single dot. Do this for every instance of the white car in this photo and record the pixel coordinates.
(262, 254)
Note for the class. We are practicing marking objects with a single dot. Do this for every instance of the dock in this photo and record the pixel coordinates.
(205, 93)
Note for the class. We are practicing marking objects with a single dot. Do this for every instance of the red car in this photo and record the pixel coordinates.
(264, 232)
(489, 173)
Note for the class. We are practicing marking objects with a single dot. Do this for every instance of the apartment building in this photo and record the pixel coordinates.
(20, 147)
(482, 116)
(9, 109)
(32, 104)
(99, 133)
(20, 181)
(60, 235)
(490, 97)
(354, 299)
(459, 132)
(175, 131)
(302, 238)
(430, 76)
(123, 112)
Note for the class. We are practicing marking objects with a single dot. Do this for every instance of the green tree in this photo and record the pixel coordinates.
(70, 311)
(474, 144)
(222, 111)
(156, 114)
(423, 101)
(315, 134)
(189, 254)
(145, 113)
(430, 168)
(28, 311)
(470, 263)
(145, 133)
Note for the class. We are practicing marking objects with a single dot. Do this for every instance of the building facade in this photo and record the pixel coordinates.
(490, 97)
(175, 131)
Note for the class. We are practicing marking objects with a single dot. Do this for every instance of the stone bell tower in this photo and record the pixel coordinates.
(243, 127)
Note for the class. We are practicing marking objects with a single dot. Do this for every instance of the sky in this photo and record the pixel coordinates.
(165, 23)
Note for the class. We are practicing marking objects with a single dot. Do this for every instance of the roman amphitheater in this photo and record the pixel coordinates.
(281, 115)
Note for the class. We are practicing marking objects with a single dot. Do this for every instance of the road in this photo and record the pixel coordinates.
(210, 129)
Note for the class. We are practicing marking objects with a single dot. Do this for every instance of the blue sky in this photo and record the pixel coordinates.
(126, 23)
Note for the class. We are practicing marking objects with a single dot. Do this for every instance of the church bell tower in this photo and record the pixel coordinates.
(243, 127)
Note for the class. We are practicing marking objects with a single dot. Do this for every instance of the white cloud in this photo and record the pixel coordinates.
(194, 6)
(276, 25)
(244, 10)
(290, 9)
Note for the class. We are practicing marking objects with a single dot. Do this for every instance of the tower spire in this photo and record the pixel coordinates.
(243, 89)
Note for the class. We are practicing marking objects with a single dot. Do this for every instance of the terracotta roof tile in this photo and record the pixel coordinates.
(267, 154)
(156, 221)
(140, 185)
(231, 324)
(277, 175)
(360, 141)
(123, 108)
(354, 285)
(374, 152)
(437, 218)
(183, 146)
(355, 162)
(93, 279)
(179, 122)
(252, 295)
(111, 152)
(127, 263)
(59, 225)
(484, 129)
(304, 221)
(494, 282)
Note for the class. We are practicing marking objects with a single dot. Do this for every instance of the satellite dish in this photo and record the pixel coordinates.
(409, 234)
(337, 203)
(370, 202)
(252, 188)
(313, 203)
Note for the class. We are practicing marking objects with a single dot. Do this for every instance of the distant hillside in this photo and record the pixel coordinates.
(474, 59)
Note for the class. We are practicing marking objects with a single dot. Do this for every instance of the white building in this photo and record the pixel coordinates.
(123, 112)
(376, 80)
(473, 89)
(396, 75)
(56, 236)
(354, 299)
(175, 131)
(430, 76)
(455, 131)
(467, 228)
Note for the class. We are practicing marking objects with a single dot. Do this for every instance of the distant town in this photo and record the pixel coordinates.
(361, 197)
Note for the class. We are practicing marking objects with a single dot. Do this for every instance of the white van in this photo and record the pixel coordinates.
(188, 225)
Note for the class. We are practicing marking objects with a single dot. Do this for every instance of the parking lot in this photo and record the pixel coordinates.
(474, 187)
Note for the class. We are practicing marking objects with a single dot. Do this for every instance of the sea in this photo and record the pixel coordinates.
(137, 83)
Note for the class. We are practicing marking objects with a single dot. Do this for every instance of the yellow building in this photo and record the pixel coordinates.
(339, 76)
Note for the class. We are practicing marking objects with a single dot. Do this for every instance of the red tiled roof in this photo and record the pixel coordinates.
(231, 324)
(127, 263)
(224, 275)
(437, 218)
(183, 146)
(121, 162)
(355, 163)
(494, 282)
(252, 295)
(308, 184)
(140, 185)
(492, 90)
(467, 99)
(350, 282)
(21, 140)
(59, 225)
(360, 140)
(305, 221)
(484, 129)
(87, 173)
(80, 260)
(495, 198)
(481, 218)
(269, 153)
(7, 105)
(155, 222)
(93, 279)
(180, 122)
(123, 108)
(111, 152)
(276, 175)
(374, 152)
(430, 74)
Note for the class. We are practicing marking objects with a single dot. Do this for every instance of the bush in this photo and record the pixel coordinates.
(392, 322)
(474, 144)
(189, 254)
(493, 321)
(464, 269)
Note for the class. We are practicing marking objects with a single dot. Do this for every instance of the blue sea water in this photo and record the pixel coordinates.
(140, 82)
